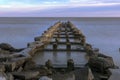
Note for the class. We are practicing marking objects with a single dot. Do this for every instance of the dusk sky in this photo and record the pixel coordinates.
(60, 8)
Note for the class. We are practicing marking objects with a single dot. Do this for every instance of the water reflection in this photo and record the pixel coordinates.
(60, 57)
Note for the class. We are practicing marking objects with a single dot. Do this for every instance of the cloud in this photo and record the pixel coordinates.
(87, 11)
(94, 1)
(58, 8)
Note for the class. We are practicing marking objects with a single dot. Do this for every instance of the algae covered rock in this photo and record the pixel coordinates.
(100, 64)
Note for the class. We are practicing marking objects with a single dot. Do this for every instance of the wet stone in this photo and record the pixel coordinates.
(48, 64)
(70, 65)
(2, 68)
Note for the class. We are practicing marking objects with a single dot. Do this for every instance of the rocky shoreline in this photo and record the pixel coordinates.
(17, 64)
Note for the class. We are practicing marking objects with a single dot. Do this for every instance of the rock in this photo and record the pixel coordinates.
(3, 76)
(4, 51)
(26, 75)
(29, 64)
(8, 47)
(9, 66)
(45, 71)
(48, 64)
(45, 78)
(9, 76)
(19, 69)
(100, 64)
(19, 62)
(102, 55)
(2, 68)
(5, 58)
(88, 48)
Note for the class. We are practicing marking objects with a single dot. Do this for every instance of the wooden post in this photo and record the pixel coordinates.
(55, 46)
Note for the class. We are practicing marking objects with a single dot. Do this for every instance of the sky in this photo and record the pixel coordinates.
(59, 8)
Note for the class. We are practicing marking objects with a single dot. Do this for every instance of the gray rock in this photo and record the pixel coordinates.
(26, 75)
(100, 64)
(45, 78)
(8, 47)
(3, 76)
(2, 68)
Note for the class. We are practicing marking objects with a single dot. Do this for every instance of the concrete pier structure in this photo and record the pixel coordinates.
(61, 51)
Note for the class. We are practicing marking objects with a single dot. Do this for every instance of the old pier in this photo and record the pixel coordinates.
(64, 55)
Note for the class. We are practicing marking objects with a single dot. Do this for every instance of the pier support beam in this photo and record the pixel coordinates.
(68, 46)
(70, 65)
(56, 40)
(55, 46)
(48, 64)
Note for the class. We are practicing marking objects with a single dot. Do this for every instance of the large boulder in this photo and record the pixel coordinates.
(8, 47)
(29, 64)
(100, 64)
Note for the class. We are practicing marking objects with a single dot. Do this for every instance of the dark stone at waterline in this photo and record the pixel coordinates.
(100, 64)
(70, 65)
(8, 47)
(48, 64)
(26, 75)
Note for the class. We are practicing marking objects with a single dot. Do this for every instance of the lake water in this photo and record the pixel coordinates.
(102, 33)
